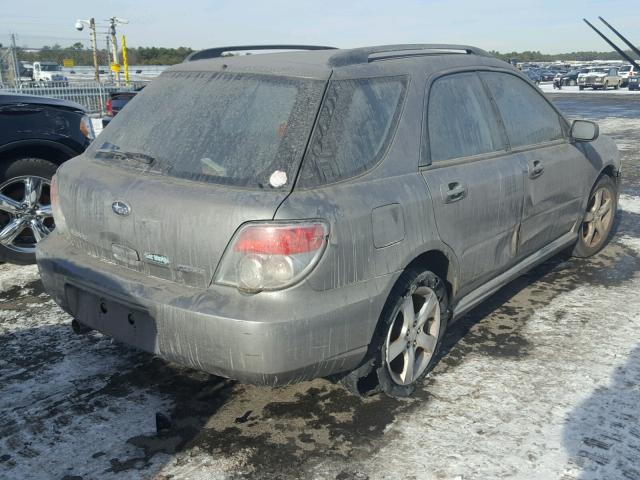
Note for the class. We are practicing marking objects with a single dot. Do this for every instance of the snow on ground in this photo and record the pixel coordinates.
(96, 123)
(548, 88)
(569, 408)
(541, 381)
(10, 276)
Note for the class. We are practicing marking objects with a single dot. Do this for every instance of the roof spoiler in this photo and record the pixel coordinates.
(218, 51)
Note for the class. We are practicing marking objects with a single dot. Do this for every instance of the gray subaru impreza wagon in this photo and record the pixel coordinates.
(278, 217)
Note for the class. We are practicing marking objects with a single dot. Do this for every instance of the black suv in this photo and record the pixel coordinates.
(37, 134)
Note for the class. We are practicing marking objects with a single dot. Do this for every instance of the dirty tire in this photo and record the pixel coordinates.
(29, 166)
(377, 374)
(596, 226)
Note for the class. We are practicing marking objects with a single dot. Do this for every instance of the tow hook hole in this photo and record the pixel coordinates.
(131, 319)
(103, 307)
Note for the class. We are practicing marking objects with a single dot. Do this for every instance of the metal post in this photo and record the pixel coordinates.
(94, 44)
(14, 55)
(109, 57)
(125, 60)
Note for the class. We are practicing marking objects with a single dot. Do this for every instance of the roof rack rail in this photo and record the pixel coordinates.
(218, 51)
(371, 54)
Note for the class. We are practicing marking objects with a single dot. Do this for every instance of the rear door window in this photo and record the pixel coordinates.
(528, 118)
(461, 119)
(353, 129)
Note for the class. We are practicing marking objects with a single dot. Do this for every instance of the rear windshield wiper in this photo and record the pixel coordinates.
(122, 155)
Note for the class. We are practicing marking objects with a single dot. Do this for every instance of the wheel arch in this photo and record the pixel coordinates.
(45, 149)
(441, 261)
(611, 171)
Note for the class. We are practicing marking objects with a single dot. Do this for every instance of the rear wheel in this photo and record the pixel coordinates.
(408, 337)
(25, 208)
(598, 219)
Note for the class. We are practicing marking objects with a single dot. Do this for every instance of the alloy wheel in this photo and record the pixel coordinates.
(598, 218)
(413, 336)
(25, 213)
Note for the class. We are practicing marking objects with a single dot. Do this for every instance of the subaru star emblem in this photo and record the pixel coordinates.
(121, 208)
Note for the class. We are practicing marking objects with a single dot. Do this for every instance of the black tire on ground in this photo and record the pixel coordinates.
(615, 87)
(29, 166)
(580, 88)
(374, 375)
(584, 247)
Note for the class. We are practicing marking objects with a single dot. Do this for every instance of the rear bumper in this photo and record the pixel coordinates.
(271, 338)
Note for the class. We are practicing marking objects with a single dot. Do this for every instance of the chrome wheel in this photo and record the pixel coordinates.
(598, 218)
(413, 336)
(25, 213)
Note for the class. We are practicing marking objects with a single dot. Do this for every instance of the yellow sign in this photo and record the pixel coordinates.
(115, 68)
(68, 62)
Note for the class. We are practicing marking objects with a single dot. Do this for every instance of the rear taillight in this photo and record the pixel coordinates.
(272, 255)
(109, 107)
(56, 211)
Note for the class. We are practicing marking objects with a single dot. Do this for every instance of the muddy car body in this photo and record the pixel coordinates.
(326, 212)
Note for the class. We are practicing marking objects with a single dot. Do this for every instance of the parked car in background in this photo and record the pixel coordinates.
(546, 75)
(627, 71)
(600, 78)
(280, 217)
(633, 83)
(37, 134)
(49, 74)
(571, 77)
(115, 103)
(26, 72)
(533, 76)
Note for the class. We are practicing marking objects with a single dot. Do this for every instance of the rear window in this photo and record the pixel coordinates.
(354, 126)
(237, 129)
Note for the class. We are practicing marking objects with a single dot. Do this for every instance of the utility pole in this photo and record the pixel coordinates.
(109, 53)
(114, 46)
(14, 56)
(94, 42)
(94, 45)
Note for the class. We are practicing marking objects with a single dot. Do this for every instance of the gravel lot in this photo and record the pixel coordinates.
(542, 381)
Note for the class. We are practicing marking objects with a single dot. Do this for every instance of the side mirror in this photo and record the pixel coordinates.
(584, 131)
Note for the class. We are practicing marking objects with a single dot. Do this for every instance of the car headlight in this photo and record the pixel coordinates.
(599, 79)
(86, 128)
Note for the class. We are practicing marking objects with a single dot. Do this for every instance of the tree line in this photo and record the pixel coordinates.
(84, 56)
(169, 56)
(534, 56)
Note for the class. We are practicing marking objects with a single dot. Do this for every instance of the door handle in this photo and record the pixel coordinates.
(455, 192)
(537, 169)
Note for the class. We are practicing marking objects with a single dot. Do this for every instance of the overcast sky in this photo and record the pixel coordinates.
(548, 26)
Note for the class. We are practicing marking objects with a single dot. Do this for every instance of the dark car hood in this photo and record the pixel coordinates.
(14, 98)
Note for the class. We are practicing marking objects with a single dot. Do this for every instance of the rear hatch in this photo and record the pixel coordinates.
(195, 155)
